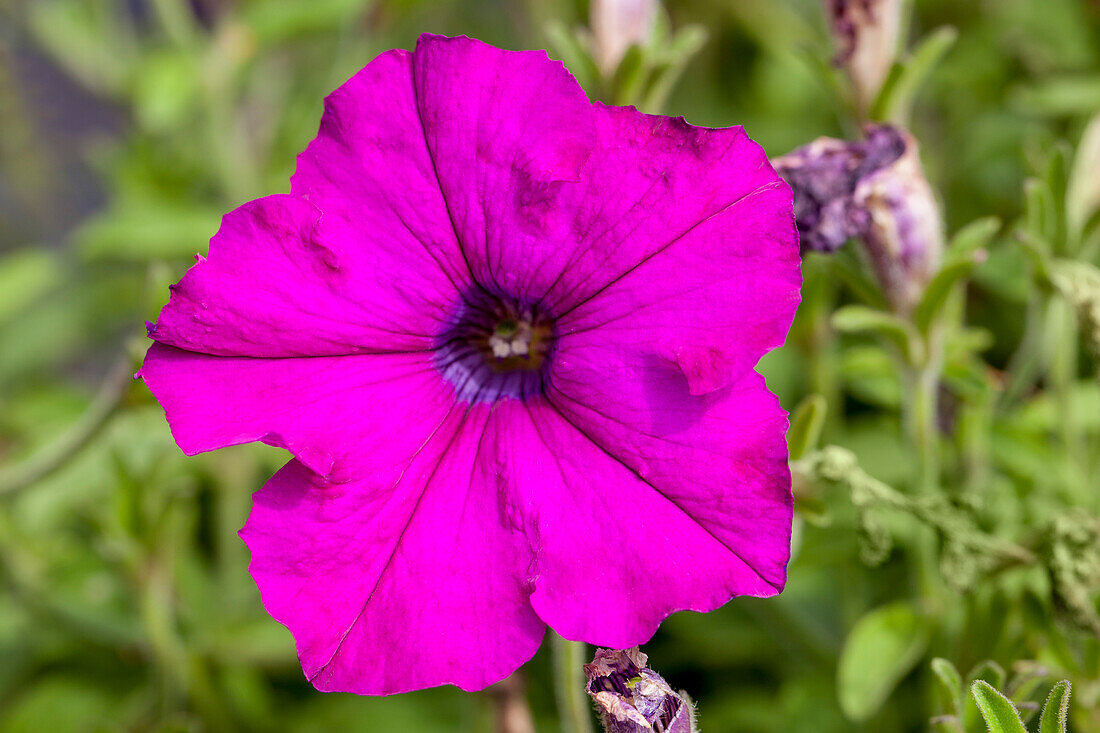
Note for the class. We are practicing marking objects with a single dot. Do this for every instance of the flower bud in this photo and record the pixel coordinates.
(1083, 193)
(866, 37)
(875, 190)
(616, 26)
(632, 698)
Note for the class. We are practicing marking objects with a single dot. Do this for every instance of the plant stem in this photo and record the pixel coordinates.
(510, 710)
(56, 454)
(1062, 373)
(573, 708)
(920, 414)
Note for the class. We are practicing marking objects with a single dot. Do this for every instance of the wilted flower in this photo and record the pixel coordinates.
(616, 26)
(905, 236)
(632, 698)
(873, 189)
(509, 337)
(825, 175)
(866, 37)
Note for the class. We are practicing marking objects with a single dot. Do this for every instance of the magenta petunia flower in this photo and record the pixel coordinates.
(509, 337)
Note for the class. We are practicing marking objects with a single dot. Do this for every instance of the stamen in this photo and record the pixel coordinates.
(493, 352)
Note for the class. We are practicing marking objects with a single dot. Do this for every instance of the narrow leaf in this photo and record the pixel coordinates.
(629, 79)
(682, 47)
(853, 273)
(861, 319)
(987, 671)
(1056, 709)
(566, 47)
(938, 291)
(896, 98)
(806, 423)
(950, 685)
(972, 237)
(999, 713)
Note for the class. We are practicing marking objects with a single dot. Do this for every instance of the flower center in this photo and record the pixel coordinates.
(493, 349)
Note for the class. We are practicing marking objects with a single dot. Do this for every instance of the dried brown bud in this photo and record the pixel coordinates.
(866, 36)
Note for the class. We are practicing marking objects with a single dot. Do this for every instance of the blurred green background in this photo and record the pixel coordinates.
(127, 127)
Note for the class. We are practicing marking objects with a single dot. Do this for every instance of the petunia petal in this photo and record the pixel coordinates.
(618, 550)
(369, 166)
(282, 279)
(712, 302)
(507, 132)
(648, 181)
(651, 180)
(721, 457)
(342, 416)
(391, 586)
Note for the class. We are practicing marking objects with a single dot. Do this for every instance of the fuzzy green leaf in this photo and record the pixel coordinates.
(999, 713)
(1056, 709)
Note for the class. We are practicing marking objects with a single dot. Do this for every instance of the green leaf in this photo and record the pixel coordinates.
(972, 237)
(87, 40)
(901, 87)
(1040, 210)
(1056, 709)
(149, 230)
(938, 292)
(847, 267)
(61, 702)
(806, 423)
(629, 77)
(1058, 96)
(949, 685)
(275, 23)
(871, 375)
(882, 648)
(999, 713)
(987, 671)
(165, 91)
(577, 59)
(683, 46)
(861, 319)
(1083, 189)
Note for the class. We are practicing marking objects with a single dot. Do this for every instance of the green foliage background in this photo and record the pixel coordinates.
(128, 127)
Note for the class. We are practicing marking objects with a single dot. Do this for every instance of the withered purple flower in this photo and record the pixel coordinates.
(874, 190)
(633, 698)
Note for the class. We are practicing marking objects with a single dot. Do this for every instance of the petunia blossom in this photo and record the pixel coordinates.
(509, 337)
